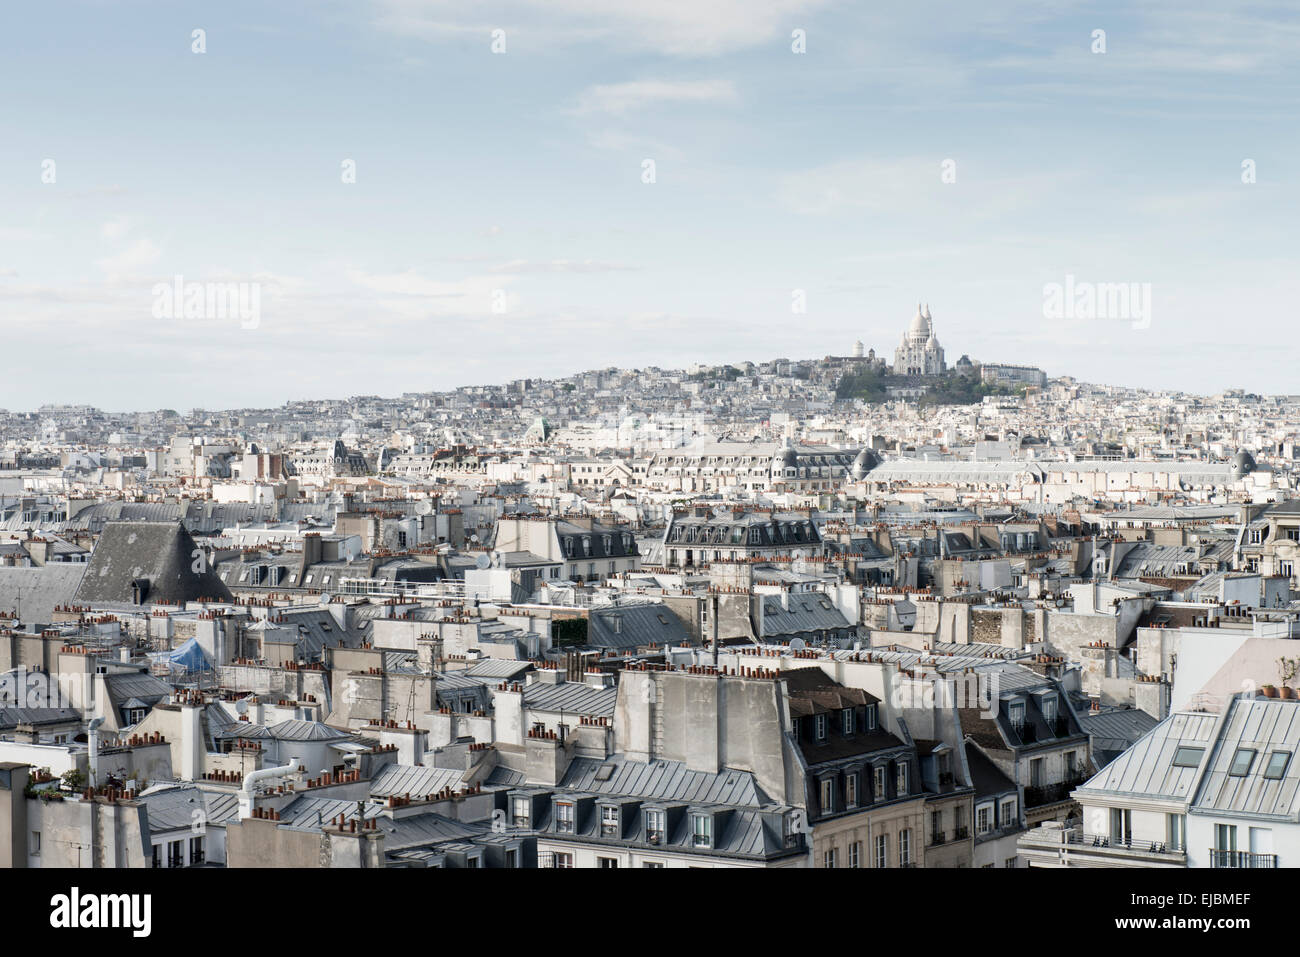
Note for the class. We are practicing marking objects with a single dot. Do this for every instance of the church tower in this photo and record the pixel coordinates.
(919, 352)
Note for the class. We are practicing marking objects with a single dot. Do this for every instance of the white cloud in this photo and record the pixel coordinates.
(675, 27)
(115, 229)
(620, 98)
(136, 256)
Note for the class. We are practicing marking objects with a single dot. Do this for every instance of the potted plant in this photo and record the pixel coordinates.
(1287, 692)
(1268, 691)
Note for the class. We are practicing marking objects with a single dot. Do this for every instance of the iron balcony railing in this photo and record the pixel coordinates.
(1105, 840)
(1052, 793)
(937, 838)
(1220, 858)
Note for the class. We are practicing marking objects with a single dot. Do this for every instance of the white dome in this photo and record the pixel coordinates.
(920, 326)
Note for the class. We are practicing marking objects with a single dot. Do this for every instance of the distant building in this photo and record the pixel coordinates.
(919, 352)
(1011, 376)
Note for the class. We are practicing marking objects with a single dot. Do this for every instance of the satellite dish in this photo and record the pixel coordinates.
(482, 561)
(798, 644)
(325, 599)
(241, 706)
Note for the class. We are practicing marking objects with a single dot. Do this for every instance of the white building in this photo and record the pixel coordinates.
(919, 352)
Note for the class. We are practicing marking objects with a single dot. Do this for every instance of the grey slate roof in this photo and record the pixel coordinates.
(172, 807)
(162, 553)
(1147, 767)
(1263, 725)
(634, 626)
(664, 781)
(34, 592)
(407, 779)
(571, 697)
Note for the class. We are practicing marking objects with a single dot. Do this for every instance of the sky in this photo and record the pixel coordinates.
(425, 194)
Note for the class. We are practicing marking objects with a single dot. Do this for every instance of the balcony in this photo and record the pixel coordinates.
(1025, 732)
(937, 838)
(1220, 858)
(1053, 793)
(961, 833)
(1105, 840)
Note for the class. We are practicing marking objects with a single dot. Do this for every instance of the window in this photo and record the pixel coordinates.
(982, 816)
(476, 862)
(1008, 815)
(1188, 757)
(522, 812)
(564, 818)
(1178, 832)
(882, 850)
(880, 783)
(563, 860)
(828, 858)
(846, 720)
(1225, 837)
(869, 717)
(157, 856)
(855, 854)
(654, 864)
(512, 857)
(902, 778)
(654, 826)
(828, 795)
(1049, 708)
(1010, 862)
(607, 862)
(905, 847)
(196, 850)
(1277, 765)
(1242, 762)
(1121, 825)
(703, 830)
(175, 854)
(793, 826)
(609, 822)
(1036, 773)
(1016, 712)
(820, 722)
(851, 789)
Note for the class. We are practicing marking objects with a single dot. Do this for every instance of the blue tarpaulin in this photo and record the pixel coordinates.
(189, 656)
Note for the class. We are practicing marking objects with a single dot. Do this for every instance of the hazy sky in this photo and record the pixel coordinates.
(515, 180)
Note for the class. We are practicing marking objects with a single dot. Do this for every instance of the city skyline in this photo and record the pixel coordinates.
(973, 159)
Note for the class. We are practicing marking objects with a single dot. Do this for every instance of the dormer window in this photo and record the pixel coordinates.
(586, 545)
(702, 830)
(902, 778)
(820, 724)
(1049, 708)
(609, 821)
(846, 720)
(654, 826)
(880, 783)
(564, 818)
(1016, 712)
(523, 812)
(869, 717)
